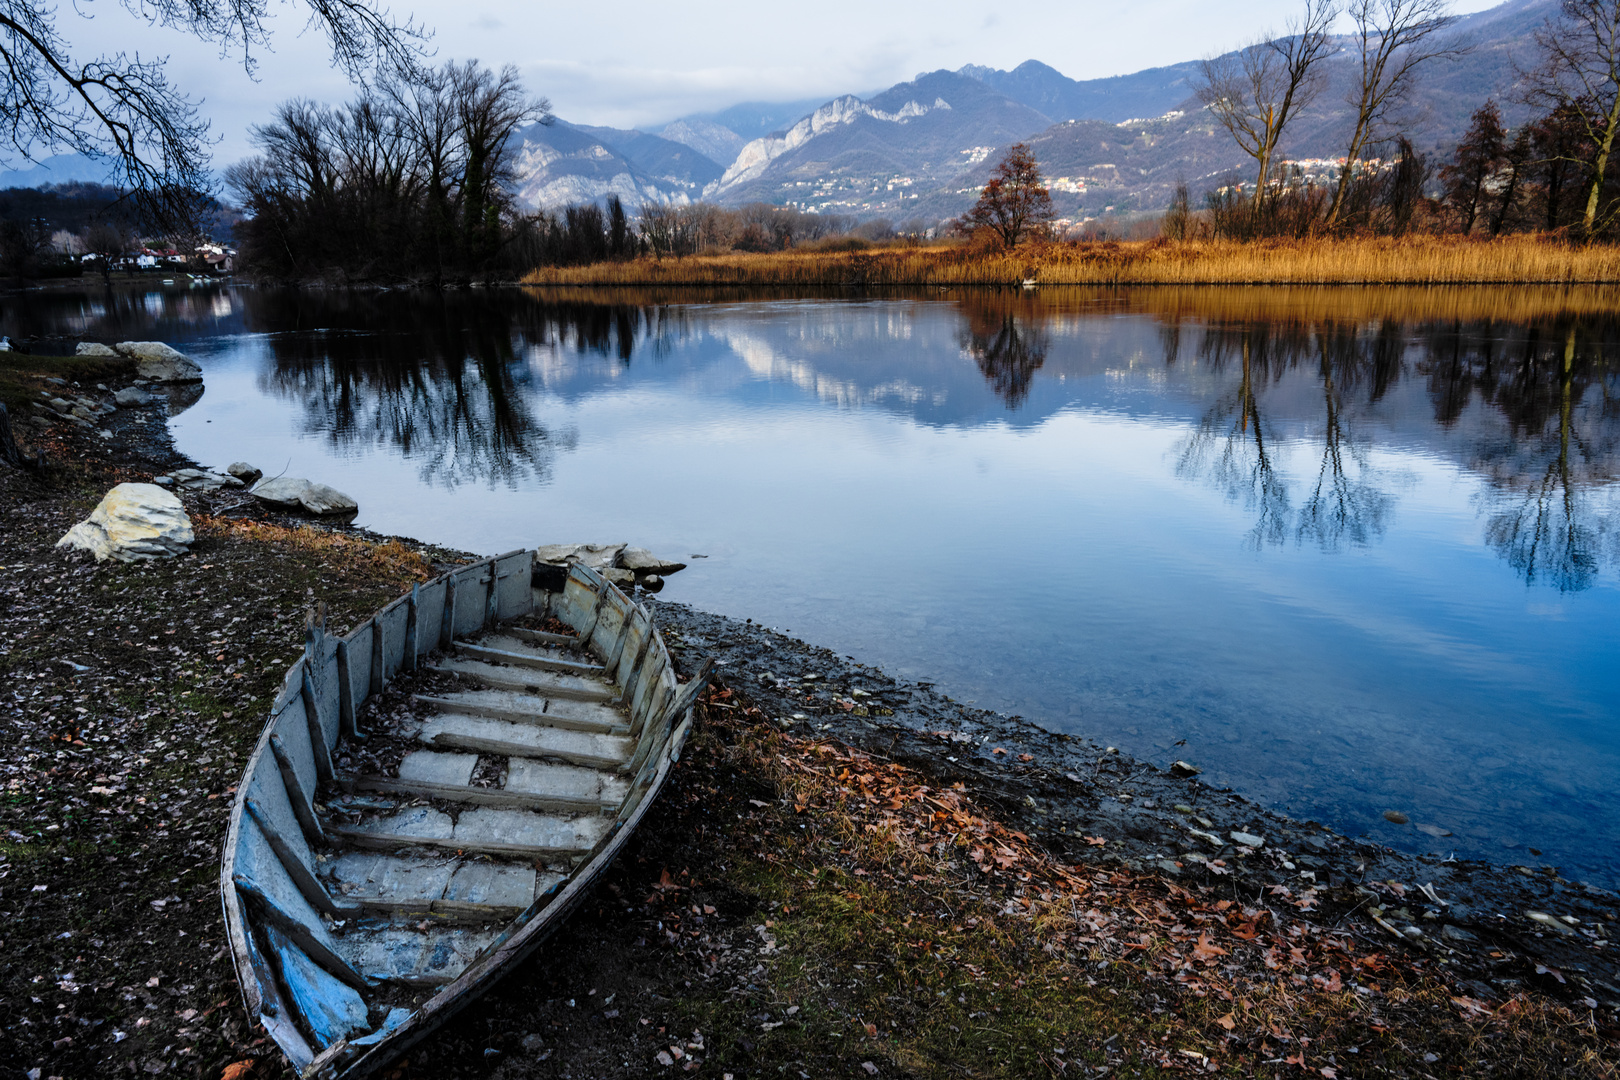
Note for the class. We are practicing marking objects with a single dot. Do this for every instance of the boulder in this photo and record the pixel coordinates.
(94, 348)
(133, 521)
(624, 579)
(640, 561)
(160, 363)
(595, 556)
(134, 397)
(244, 472)
(295, 493)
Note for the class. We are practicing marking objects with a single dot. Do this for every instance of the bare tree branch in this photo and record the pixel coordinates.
(1393, 40)
(123, 108)
(1256, 91)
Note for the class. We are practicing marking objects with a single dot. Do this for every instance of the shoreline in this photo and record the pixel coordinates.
(96, 753)
(1410, 260)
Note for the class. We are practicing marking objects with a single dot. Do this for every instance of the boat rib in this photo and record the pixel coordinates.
(383, 869)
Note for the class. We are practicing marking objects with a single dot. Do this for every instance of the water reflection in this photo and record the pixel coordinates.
(1520, 383)
(1008, 348)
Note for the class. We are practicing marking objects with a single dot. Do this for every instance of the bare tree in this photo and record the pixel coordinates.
(1580, 76)
(123, 108)
(490, 106)
(1393, 39)
(1256, 91)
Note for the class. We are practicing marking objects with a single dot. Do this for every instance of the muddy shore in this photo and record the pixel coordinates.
(132, 692)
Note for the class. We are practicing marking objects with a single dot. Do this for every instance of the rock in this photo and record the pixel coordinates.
(1247, 839)
(1456, 933)
(160, 363)
(595, 556)
(133, 521)
(244, 472)
(533, 1043)
(198, 480)
(93, 348)
(642, 561)
(133, 397)
(1396, 817)
(295, 493)
(650, 582)
(624, 579)
(1181, 768)
(1433, 830)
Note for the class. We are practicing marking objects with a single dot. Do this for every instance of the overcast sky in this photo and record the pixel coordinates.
(639, 64)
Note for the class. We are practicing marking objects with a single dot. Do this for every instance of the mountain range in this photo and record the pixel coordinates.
(923, 149)
(920, 151)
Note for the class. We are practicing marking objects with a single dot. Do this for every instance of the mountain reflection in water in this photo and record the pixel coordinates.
(1356, 548)
(1531, 404)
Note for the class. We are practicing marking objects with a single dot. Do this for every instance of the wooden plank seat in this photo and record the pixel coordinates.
(501, 649)
(489, 736)
(434, 884)
(530, 785)
(544, 683)
(485, 830)
(529, 708)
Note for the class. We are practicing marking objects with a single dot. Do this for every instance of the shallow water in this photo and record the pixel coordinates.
(1347, 550)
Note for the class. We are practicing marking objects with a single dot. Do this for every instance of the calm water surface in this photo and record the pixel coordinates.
(1360, 549)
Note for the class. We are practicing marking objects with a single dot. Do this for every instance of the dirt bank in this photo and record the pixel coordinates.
(849, 876)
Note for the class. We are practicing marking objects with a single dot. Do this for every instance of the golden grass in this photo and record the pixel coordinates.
(1415, 260)
(388, 557)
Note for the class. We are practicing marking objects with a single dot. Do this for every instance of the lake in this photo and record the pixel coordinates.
(1346, 550)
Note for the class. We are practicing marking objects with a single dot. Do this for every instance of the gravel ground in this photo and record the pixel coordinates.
(130, 695)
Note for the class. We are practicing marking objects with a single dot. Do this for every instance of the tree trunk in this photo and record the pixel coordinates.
(1600, 166)
(9, 452)
(1354, 152)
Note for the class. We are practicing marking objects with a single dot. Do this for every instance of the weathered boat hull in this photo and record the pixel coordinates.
(359, 924)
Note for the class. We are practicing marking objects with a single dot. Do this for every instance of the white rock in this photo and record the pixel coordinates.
(244, 472)
(133, 521)
(642, 561)
(93, 348)
(1247, 839)
(295, 493)
(199, 480)
(159, 362)
(595, 556)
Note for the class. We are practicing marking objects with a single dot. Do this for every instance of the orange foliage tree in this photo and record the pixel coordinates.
(1015, 203)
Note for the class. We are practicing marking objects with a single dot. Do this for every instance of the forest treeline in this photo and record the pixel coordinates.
(1556, 172)
(413, 178)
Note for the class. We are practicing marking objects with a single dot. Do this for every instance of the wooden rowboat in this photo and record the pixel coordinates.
(365, 903)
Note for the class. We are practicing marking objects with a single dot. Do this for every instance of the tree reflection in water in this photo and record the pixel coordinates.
(1552, 387)
(1552, 532)
(1009, 349)
(448, 380)
(1231, 446)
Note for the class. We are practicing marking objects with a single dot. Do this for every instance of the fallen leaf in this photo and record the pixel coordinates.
(1204, 950)
(237, 1070)
(1228, 1022)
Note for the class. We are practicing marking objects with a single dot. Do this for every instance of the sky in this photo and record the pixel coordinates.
(641, 64)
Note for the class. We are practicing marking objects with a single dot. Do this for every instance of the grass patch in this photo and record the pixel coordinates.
(22, 377)
(1413, 260)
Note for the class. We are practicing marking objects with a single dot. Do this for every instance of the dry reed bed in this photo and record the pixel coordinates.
(1357, 261)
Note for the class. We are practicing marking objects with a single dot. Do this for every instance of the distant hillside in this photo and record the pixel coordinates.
(60, 169)
(877, 155)
(559, 164)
